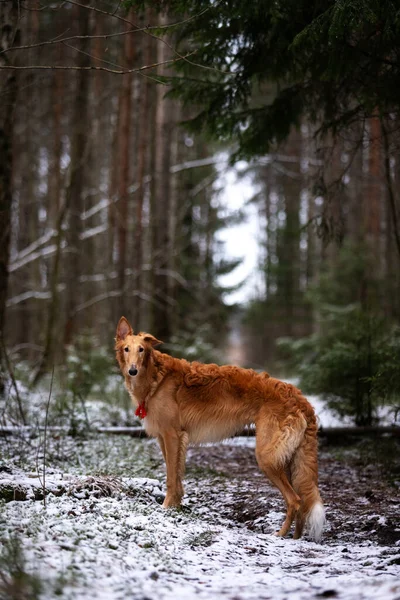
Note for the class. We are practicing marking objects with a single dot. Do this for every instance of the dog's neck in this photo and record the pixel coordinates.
(139, 385)
(144, 384)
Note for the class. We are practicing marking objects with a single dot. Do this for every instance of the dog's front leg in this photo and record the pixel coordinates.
(171, 446)
(162, 447)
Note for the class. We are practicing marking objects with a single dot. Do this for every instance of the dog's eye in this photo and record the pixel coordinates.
(141, 349)
(126, 349)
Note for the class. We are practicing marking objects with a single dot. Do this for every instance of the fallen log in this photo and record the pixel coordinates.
(139, 432)
(374, 430)
(30, 431)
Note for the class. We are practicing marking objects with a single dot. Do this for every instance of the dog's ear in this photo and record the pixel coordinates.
(147, 337)
(123, 329)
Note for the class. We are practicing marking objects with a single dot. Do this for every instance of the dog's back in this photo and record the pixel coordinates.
(217, 401)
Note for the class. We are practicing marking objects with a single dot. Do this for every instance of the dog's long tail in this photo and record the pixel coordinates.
(304, 476)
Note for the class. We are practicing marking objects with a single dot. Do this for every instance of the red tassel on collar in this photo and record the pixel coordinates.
(141, 411)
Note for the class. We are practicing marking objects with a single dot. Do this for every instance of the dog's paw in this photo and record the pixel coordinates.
(171, 502)
(276, 534)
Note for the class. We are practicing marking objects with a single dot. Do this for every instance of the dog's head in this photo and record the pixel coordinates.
(132, 350)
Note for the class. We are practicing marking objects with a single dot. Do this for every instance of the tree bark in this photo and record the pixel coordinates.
(29, 201)
(392, 241)
(390, 188)
(124, 157)
(374, 191)
(288, 250)
(56, 218)
(269, 246)
(9, 36)
(47, 358)
(142, 163)
(161, 205)
(75, 188)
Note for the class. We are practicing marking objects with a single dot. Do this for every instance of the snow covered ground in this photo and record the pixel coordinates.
(109, 538)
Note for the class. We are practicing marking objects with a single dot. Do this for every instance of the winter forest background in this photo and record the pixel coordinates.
(122, 126)
(115, 118)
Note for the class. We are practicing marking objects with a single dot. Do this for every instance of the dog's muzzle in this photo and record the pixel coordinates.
(133, 371)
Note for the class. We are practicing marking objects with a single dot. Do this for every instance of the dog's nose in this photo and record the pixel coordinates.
(132, 371)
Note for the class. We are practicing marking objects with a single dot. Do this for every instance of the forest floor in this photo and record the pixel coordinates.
(103, 533)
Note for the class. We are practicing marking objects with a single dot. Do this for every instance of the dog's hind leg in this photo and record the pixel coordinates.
(275, 445)
(304, 470)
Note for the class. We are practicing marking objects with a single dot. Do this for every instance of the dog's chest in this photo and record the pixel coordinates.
(150, 427)
(209, 432)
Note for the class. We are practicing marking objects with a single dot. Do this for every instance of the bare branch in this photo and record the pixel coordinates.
(72, 38)
(107, 62)
(146, 30)
(104, 36)
(94, 68)
(101, 205)
(27, 296)
(36, 244)
(47, 251)
(114, 294)
(200, 162)
(88, 233)
(113, 14)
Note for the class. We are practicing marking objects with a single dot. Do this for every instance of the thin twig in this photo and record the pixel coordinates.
(113, 14)
(105, 36)
(147, 31)
(60, 40)
(107, 62)
(94, 68)
(45, 438)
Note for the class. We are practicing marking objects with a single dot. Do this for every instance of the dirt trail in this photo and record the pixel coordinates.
(359, 498)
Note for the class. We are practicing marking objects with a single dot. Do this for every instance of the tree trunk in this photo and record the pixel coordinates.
(56, 219)
(392, 230)
(9, 36)
(174, 226)
(29, 201)
(269, 247)
(161, 205)
(123, 150)
(54, 184)
(48, 354)
(288, 273)
(372, 214)
(142, 163)
(374, 184)
(75, 188)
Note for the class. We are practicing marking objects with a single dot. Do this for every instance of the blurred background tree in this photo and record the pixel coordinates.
(111, 149)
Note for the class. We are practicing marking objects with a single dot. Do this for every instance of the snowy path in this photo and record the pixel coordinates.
(219, 546)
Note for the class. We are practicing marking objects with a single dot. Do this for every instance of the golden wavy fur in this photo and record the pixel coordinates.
(186, 403)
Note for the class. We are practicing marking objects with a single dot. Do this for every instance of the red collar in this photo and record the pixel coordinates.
(141, 411)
